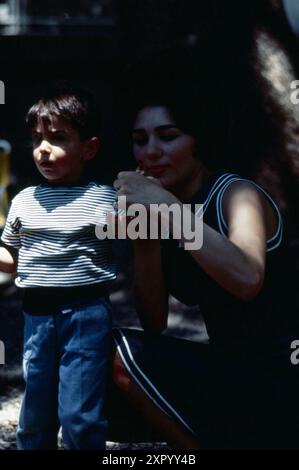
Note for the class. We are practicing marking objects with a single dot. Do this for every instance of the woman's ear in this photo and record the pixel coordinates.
(91, 148)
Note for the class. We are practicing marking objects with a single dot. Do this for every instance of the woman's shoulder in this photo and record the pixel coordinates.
(231, 193)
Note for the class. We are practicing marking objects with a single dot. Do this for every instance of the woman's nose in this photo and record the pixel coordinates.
(153, 148)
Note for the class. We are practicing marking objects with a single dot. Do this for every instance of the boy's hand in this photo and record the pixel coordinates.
(7, 263)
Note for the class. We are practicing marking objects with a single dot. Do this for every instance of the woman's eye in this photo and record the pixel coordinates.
(168, 137)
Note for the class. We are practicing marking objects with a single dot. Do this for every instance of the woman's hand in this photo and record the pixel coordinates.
(141, 189)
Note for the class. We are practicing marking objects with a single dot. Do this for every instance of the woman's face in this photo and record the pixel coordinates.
(164, 151)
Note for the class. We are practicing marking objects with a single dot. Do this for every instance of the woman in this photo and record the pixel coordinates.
(238, 391)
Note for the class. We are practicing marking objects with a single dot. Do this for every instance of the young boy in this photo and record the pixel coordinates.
(64, 271)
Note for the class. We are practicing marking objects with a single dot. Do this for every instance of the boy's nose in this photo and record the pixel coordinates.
(45, 147)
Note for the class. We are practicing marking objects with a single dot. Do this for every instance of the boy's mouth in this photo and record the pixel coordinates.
(46, 168)
(46, 164)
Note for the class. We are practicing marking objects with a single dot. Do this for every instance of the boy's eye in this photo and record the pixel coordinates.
(58, 137)
(36, 138)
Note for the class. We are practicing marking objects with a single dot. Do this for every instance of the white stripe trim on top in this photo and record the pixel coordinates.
(218, 183)
(221, 220)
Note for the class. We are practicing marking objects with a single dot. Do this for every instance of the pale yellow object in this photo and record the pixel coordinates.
(5, 149)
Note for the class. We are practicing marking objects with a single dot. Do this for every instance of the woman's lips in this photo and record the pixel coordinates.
(156, 170)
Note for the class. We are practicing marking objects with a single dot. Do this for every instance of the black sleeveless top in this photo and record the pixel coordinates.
(267, 324)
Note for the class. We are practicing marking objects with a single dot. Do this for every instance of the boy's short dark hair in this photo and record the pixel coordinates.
(72, 104)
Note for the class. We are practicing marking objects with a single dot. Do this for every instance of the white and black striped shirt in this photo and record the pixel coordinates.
(53, 228)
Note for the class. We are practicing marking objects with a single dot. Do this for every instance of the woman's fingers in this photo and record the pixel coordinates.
(116, 184)
(125, 174)
(154, 180)
(126, 178)
(138, 188)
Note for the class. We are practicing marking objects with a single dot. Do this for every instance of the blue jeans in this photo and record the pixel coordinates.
(65, 366)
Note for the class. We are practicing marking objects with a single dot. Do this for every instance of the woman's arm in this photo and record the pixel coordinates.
(151, 295)
(7, 263)
(237, 263)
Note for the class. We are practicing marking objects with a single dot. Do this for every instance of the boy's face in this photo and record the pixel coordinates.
(58, 152)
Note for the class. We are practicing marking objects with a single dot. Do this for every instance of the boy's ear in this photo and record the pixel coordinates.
(91, 148)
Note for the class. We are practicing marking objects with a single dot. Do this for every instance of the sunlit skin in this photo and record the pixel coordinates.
(58, 151)
(162, 150)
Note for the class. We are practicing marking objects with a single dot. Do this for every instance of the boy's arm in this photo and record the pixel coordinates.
(10, 242)
(7, 261)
